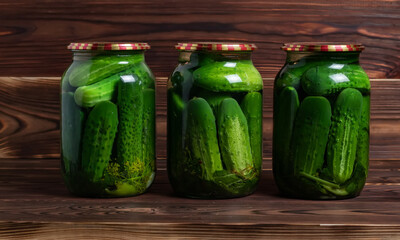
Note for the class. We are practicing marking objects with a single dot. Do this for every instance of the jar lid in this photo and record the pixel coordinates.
(103, 46)
(215, 46)
(322, 47)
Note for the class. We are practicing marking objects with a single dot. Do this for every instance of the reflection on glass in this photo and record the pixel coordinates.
(128, 78)
(230, 64)
(234, 78)
(339, 77)
(336, 66)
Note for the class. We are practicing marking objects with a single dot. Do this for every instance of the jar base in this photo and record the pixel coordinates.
(205, 197)
(319, 198)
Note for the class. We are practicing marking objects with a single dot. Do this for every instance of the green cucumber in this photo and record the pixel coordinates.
(342, 144)
(352, 187)
(72, 121)
(65, 86)
(100, 67)
(213, 98)
(332, 79)
(310, 135)
(203, 58)
(148, 137)
(290, 75)
(179, 88)
(231, 184)
(98, 139)
(226, 179)
(216, 100)
(232, 76)
(292, 72)
(252, 109)
(362, 155)
(356, 183)
(175, 134)
(202, 145)
(178, 102)
(79, 75)
(144, 74)
(287, 104)
(234, 141)
(105, 90)
(130, 129)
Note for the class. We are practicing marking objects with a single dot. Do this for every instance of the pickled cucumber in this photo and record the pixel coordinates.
(105, 90)
(98, 138)
(252, 109)
(352, 187)
(234, 141)
(203, 155)
(362, 155)
(72, 121)
(179, 85)
(284, 118)
(232, 76)
(130, 129)
(332, 79)
(214, 99)
(310, 135)
(342, 144)
(148, 135)
(100, 67)
(290, 75)
(143, 72)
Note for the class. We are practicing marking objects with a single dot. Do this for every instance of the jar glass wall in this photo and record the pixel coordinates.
(215, 121)
(108, 120)
(321, 122)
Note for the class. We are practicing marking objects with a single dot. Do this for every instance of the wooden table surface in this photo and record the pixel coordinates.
(34, 204)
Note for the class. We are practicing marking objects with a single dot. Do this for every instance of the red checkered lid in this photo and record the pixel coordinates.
(105, 46)
(215, 46)
(322, 47)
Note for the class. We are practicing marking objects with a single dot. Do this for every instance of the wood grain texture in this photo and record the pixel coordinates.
(29, 118)
(34, 34)
(38, 206)
(45, 231)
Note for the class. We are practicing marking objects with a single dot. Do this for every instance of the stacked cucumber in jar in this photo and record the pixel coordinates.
(108, 121)
(214, 122)
(321, 122)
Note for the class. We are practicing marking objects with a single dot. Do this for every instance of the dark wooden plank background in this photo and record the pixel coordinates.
(34, 34)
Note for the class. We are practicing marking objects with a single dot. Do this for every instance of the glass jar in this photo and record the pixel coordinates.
(321, 122)
(108, 120)
(214, 121)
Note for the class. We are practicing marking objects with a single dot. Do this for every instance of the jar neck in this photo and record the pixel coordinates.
(348, 57)
(89, 55)
(223, 56)
(203, 57)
